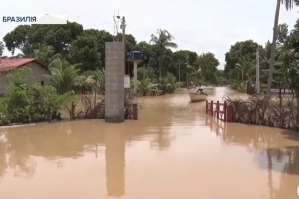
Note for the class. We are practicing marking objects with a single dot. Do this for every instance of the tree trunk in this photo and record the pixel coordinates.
(275, 32)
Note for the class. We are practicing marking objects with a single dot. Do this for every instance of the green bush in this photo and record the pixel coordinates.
(146, 86)
(24, 103)
(44, 102)
(3, 113)
(32, 103)
(17, 102)
(171, 83)
(239, 86)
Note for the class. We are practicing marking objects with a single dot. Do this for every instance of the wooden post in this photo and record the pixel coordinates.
(207, 122)
(135, 111)
(225, 111)
(211, 108)
(217, 109)
(207, 106)
(229, 114)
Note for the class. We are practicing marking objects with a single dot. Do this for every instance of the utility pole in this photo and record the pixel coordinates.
(123, 27)
(179, 71)
(257, 76)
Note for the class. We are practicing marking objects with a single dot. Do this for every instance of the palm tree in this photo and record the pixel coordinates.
(163, 40)
(143, 73)
(244, 64)
(145, 86)
(45, 54)
(289, 5)
(64, 76)
(96, 80)
(171, 83)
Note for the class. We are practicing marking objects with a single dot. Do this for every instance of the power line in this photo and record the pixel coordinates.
(134, 31)
(100, 24)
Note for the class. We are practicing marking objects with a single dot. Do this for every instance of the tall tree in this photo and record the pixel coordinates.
(208, 63)
(18, 38)
(163, 40)
(101, 38)
(85, 50)
(283, 31)
(29, 37)
(181, 58)
(1, 48)
(239, 50)
(289, 5)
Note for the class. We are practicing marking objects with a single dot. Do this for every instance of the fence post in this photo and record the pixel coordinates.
(135, 111)
(229, 113)
(225, 111)
(207, 107)
(217, 109)
(211, 108)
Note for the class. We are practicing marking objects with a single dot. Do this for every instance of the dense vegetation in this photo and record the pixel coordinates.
(281, 59)
(276, 58)
(29, 102)
(241, 60)
(76, 60)
(86, 50)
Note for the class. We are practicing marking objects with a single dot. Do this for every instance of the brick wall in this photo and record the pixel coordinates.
(114, 82)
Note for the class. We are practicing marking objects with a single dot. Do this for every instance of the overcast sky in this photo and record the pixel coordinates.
(197, 25)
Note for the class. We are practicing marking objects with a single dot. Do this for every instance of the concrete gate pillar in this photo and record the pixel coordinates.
(114, 82)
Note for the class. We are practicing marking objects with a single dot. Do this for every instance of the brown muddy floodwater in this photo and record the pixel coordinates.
(173, 151)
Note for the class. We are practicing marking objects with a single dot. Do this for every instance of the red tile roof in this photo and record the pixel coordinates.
(7, 64)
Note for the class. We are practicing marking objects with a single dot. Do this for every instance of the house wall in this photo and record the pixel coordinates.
(38, 75)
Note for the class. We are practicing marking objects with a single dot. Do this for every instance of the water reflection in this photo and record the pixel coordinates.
(278, 147)
(3, 161)
(72, 140)
(115, 162)
(173, 151)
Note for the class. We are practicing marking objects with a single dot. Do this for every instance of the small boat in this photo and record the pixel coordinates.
(198, 96)
(195, 97)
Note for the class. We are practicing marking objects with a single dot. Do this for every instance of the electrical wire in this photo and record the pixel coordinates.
(134, 31)
(100, 24)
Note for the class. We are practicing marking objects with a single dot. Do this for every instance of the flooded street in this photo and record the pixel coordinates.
(173, 151)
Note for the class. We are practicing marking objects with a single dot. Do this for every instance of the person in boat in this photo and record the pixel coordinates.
(200, 92)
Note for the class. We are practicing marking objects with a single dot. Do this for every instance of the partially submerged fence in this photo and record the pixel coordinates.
(221, 111)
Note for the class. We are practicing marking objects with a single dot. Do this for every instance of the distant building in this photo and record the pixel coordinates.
(7, 64)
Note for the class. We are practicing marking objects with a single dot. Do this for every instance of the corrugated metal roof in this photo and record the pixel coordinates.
(7, 64)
